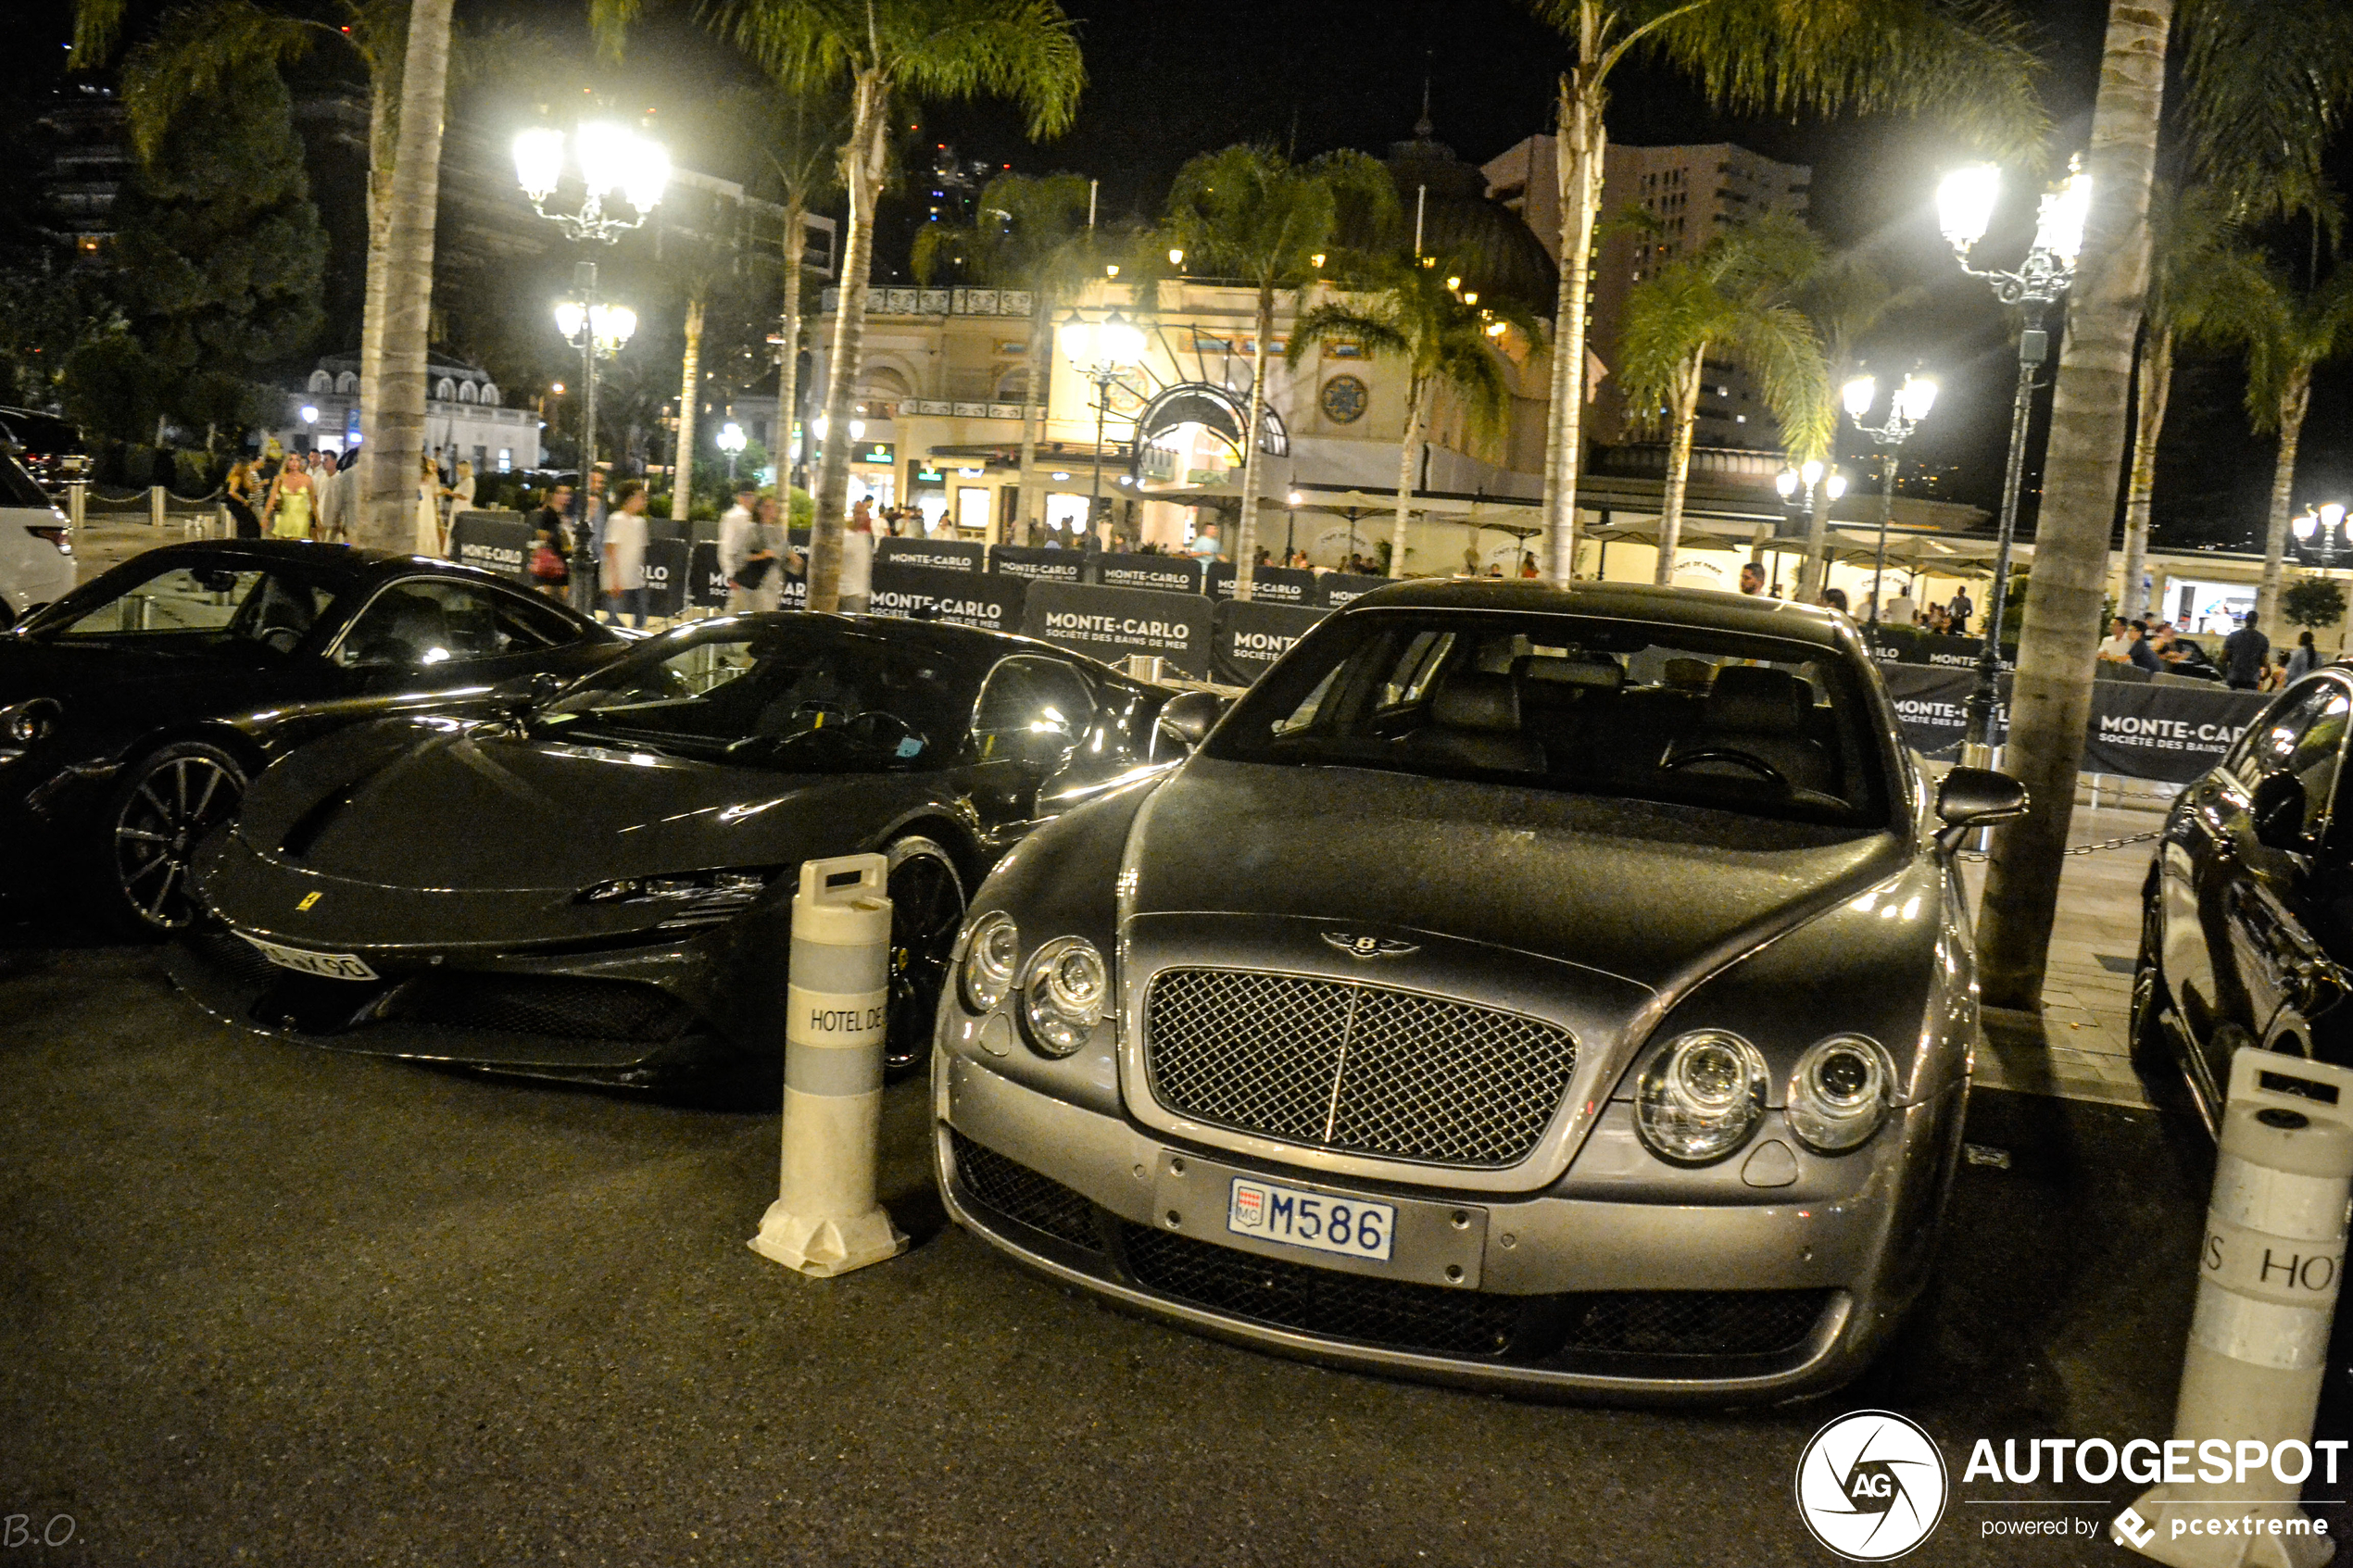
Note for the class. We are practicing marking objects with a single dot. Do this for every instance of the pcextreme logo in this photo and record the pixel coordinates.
(1871, 1485)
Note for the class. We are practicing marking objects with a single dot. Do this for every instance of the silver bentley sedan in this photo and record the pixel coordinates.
(1565, 992)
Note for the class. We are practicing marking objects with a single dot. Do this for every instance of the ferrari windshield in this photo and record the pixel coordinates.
(776, 697)
(1637, 710)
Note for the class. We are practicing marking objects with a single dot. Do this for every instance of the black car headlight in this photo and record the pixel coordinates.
(1838, 1093)
(32, 722)
(992, 949)
(1064, 992)
(1701, 1097)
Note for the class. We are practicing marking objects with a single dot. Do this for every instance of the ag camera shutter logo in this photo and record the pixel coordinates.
(1871, 1485)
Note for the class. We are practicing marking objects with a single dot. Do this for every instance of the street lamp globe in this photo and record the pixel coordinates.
(613, 325)
(1119, 342)
(569, 314)
(1916, 397)
(1786, 482)
(310, 414)
(2058, 228)
(1297, 500)
(539, 162)
(1810, 471)
(1834, 486)
(1859, 394)
(1965, 201)
(1076, 338)
(2331, 513)
(731, 438)
(602, 150)
(2305, 525)
(1176, 256)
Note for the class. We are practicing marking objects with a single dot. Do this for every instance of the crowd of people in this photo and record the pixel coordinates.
(313, 495)
(2247, 662)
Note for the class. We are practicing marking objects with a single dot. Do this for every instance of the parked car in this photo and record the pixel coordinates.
(600, 887)
(133, 710)
(37, 545)
(50, 449)
(2244, 932)
(1562, 991)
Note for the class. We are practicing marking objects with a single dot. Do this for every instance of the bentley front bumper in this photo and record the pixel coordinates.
(1543, 1295)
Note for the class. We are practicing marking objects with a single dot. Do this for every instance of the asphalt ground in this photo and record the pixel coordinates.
(268, 1304)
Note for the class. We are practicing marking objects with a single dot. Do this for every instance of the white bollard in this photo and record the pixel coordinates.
(826, 1220)
(154, 506)
(2267, 1289)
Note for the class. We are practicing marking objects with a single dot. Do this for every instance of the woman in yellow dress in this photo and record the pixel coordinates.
(289, 508)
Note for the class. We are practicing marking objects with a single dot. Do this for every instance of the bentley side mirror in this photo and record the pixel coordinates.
(2277, 810)
(1972, 798)
(1191, 715)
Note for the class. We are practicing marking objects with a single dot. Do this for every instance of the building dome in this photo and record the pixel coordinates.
(1499, 255)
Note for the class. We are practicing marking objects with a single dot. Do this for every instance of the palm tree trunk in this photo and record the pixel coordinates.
(2295, 401)
(1246, 530)
(682, 478)
(1814, 572)
(2149, 423)
(862, 175)
(383, 119)
(1577, 151)
(788, 369)
(1409, 452)
(1679, 468)
(393, 425)
(2051, 695)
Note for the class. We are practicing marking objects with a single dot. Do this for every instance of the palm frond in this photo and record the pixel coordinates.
(196, 49)
(1970, 64)
(2265, 87)
(1377, 331)
(96, 25)
(1025, 51)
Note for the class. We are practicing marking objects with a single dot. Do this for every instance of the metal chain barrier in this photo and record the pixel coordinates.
(2079, 848)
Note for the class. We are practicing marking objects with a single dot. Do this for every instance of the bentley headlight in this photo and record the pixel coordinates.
(990, 953)
(31, 723)
(1838, 1094)
(1701, 1097)
(1063, 994)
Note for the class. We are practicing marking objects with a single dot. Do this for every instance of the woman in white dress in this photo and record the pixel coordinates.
(430, 541)
(460, 495)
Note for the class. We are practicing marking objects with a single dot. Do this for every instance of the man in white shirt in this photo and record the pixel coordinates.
(739, 543)
(1901, 610)
(857, 560)
(626, 555)
(2117, 649)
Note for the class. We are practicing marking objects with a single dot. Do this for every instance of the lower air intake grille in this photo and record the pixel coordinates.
(1021, 1194)
(1690, 1323)
(235, 956)
(1379, 1312)
(554, 1005)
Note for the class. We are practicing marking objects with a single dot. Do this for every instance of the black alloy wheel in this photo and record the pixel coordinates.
(167, 803)
(926, 909)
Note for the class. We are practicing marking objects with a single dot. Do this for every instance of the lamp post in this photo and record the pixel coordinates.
(1807, 490)
(612, 161)
(1965, 210)
(731, 440)
(599, 331)
(1290, 525)
(1103, 352)
(1907, 408)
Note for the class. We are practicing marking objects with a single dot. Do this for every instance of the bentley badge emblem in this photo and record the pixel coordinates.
(1357, 946)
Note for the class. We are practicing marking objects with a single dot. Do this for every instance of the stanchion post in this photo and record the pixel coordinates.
(77, 502)
(154, 506)
(826, 1220)
(2267, 1288)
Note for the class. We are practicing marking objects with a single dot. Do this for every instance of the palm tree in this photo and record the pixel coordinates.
(1025, 50)
(2198, 276)
(1733, 299)
(2288, 334)
(1252, 213)
(1967, 64)
(1447, 346)
(2051, 693)
(1032, 234)
(1845, 299)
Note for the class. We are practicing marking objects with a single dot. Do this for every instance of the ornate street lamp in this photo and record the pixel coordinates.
(732, 440)
(1807, 492)
(2326, 520)
(1965, 210)
(1907, 408)
(1103, 352)
(612, 161)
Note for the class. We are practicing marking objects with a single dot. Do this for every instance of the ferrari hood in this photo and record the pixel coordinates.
(1654, 893)
(463, 808)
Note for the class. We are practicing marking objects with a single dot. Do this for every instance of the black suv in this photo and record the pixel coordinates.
(2246, 917)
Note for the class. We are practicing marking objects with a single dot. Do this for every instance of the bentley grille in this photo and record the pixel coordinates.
(1341, 1064)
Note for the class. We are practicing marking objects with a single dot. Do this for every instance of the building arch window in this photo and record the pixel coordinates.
(465, 392)
(348, 381)
(445, 390)
(490, 393)
(1012, 385)
(320, 380)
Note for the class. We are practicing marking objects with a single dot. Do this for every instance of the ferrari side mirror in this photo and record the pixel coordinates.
(1191, 715)
(1972, 796)
(2277, 810)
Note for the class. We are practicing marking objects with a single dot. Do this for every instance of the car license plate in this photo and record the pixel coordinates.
(1346, 1225)
(334, 966)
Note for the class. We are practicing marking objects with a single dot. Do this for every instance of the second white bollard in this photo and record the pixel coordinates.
(826, 1220)
(2267, 1289)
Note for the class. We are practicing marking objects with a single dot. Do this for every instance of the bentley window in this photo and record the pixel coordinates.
(1677, 714)
(770, 698)
(205, 604)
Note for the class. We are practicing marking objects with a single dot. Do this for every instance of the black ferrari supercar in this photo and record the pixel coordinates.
(598, 885)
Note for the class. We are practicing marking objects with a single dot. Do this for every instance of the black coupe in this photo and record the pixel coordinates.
(133, 709)
(599, 886)
(2244, 932)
